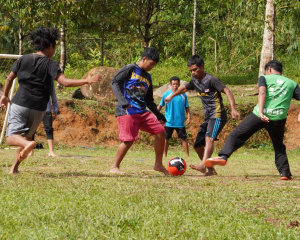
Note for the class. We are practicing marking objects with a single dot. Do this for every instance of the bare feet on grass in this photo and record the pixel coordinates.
(28, 149)
(52, 155)
(22, 155)
(211, 172)
(161, 168)
(116, 170)
(198, 167)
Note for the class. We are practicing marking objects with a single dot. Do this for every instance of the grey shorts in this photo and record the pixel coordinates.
(23, 121)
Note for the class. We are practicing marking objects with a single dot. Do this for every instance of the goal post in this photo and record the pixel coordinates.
(5, 65)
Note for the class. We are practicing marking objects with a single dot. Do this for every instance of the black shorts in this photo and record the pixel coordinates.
(180, 132)
(210, 128)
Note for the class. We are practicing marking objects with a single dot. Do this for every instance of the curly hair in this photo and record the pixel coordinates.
(43, 37)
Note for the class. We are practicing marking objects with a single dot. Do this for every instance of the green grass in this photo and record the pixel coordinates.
(74, 197)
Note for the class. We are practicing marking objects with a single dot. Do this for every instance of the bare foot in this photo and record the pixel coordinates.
(52, 155)
(211, 172)
(31, 153)
(24, 153)
(162, 169)
(199, 167)
(116, 170)
(14, 169)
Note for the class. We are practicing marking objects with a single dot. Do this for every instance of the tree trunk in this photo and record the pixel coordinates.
(267, 52)
(194, 27)
(20, 38)
(62, 63)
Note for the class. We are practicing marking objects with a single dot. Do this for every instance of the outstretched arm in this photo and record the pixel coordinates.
(234, 113)
(9, 81)
(67, 82)
(179, 91)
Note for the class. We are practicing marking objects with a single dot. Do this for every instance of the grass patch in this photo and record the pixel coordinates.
(74, 197)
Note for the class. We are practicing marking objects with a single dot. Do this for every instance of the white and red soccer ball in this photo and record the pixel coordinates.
(176, 166)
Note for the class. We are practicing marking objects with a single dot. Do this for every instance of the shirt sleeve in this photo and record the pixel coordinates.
(190, 86)
(217, 84)
(296, 93)
(117, 85)
(262, 82)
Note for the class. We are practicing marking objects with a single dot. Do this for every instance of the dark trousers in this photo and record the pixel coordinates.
(47, 121)
(248, 127)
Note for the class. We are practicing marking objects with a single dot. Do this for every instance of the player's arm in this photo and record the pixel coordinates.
(152, 106)
(67, 82)
(180, 90)
(262, 87)
(188, 113)
(234, 113)
(117, 86)
(159, 107)
(8, 83)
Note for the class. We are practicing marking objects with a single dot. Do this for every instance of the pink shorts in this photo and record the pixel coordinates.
(129, 126)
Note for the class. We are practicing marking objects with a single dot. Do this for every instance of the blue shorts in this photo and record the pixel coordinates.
(23, 121)
(210, 128)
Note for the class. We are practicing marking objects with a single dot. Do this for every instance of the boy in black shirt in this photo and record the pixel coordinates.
(209, 89)
(35, 73)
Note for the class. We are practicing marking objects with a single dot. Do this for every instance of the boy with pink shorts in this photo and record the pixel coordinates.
(133, 88)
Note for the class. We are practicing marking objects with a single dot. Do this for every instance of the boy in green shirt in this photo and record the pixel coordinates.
(275, 94)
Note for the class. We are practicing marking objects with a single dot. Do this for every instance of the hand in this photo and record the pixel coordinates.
(94, 79)
(56, 111)
(187, 122)
(264, 118)
(235, 114)
(4, 101)
(168, 99)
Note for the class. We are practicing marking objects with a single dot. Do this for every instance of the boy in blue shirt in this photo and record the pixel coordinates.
(175, 115)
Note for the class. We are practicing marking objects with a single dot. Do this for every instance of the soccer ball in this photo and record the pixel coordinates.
(176, 166)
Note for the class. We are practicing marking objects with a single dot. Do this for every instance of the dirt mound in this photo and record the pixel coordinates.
(101, 90)
(81, 125)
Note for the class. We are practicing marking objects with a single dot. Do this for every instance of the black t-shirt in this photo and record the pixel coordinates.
(35, 73)
(209, 89)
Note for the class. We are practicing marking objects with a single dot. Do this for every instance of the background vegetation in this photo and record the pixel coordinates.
(122, 29)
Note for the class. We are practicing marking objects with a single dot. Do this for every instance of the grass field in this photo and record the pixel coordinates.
(74, 196)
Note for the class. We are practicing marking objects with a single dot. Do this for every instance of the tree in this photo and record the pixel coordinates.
(267, 51)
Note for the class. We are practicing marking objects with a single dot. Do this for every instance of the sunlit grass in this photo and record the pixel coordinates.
(75, 197)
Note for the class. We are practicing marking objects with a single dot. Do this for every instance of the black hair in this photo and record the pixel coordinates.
(175, 78)
(195, 59)
(43, 37)
(276, 65)
(151, 53)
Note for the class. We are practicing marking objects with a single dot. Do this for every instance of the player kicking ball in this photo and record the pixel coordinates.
(275, 94)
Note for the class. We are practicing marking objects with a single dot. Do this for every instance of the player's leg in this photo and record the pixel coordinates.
(22, 124)
(128, 131)
(199, 148)
(120, 154)
(214, 127)
(151, 125)
(47, 122)
(183, 136)
(24, 147)
(276, 132)
(236, 139)
(169, 132)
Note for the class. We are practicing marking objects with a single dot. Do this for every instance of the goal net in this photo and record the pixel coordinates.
(6, 61)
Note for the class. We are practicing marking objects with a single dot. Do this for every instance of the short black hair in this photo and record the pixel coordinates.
(195, 59)
(276, 65)
(174, 78)
(151, 53)
(43, 37)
